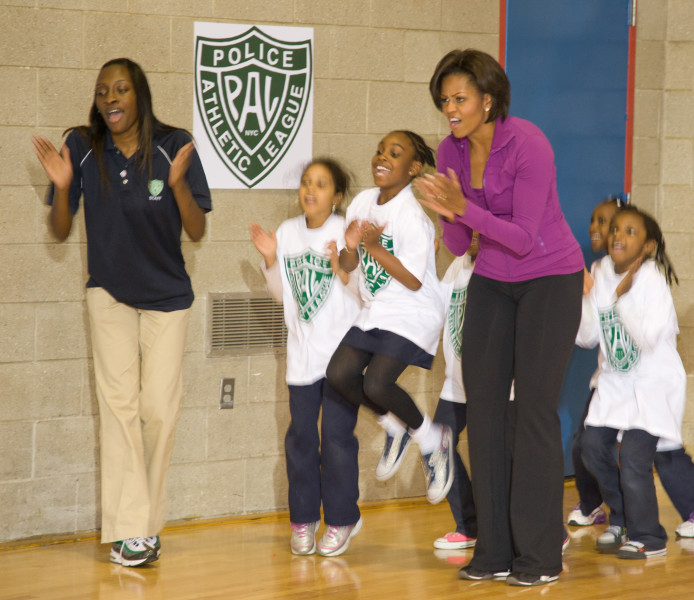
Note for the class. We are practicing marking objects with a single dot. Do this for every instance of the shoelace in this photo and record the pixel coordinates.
(137, 543)
(333, 533)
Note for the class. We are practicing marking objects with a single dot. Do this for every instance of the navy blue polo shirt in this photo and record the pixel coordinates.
(133, 224)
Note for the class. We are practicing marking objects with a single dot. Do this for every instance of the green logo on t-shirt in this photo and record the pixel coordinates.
(621, 352)
(376, 277)
(454, 319)
(310, 276)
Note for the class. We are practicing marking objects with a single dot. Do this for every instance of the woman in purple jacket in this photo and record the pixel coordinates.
(497, 176)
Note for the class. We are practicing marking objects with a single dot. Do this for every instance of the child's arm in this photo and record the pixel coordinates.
(392, 265)
(648, 311)
(266, 244)
(349, 255)
(331, 247)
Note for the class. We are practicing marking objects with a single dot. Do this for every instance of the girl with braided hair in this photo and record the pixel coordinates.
(641, 385)
(390, 239)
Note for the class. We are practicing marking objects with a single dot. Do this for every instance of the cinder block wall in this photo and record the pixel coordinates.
(371, 72)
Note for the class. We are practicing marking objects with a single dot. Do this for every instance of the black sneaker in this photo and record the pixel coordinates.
(528, 579)
(132, 552)
(473, 574)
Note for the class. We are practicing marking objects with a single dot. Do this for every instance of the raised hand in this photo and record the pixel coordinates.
(371, 235)
(265, 242)
(180, 164)
(442, 194)
(56, 164)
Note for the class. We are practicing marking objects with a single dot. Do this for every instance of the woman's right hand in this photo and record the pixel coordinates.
(56, 164)
(442, 194)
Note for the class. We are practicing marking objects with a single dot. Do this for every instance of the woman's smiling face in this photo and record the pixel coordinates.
(116, 101)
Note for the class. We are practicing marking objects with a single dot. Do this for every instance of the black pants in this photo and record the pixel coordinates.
(367, 379)
(522, 332)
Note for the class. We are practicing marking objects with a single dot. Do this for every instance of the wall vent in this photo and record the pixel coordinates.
(243, 324)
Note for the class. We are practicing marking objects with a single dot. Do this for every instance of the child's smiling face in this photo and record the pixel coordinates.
(626, 242)
(317, 195)
(394, 165)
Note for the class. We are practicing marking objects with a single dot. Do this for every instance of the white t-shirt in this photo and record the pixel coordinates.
(454, 283)
(408, 235)
(641, 383)
(318, 307)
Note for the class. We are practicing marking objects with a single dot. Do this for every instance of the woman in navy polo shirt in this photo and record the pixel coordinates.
(142, 181)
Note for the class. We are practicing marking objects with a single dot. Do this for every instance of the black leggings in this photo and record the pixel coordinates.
(374, 388)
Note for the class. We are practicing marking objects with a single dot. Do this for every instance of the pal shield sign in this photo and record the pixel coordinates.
(253, 104)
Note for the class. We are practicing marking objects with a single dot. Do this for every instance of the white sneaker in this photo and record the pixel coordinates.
(613, 537)
(393, 453)
(686, 529)
(303, 540)
(438, 467)
(577, 518)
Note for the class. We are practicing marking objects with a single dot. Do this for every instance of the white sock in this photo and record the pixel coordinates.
(391, 424)
(427, 436)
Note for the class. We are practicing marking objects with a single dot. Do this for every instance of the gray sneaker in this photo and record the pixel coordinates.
(303, 540)
(335, 540)
(611, 540)
(438, 467)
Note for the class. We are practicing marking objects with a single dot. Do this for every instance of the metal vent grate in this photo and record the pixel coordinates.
(244, 324)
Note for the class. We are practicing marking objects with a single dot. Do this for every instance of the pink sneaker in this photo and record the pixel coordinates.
(454, 541)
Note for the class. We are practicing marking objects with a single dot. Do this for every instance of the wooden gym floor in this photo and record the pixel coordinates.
(392, 558)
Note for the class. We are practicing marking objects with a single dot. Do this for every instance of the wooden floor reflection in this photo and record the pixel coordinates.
(392, 558)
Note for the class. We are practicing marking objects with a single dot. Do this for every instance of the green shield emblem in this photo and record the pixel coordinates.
(156, 186)
(454, 319)
(310, 276)
(622, 353)
(375, 276)
(252, 92)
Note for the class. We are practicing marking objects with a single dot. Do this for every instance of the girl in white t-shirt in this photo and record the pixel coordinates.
(302, 270)
(641, 385)
(391, 239)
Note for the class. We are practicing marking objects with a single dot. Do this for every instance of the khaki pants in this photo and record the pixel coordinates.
(138, 360)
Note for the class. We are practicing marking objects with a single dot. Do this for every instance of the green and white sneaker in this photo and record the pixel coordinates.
(132, 552)
(154, 543)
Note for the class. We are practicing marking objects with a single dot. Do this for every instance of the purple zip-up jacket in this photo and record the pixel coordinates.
(523, 232)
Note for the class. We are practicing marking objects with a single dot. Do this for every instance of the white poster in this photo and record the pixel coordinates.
(253, 115)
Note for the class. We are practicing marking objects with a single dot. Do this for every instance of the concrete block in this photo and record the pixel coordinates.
(66, 446)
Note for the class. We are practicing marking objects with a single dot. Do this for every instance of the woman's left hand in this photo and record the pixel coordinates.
(442, 194)
(180, 164)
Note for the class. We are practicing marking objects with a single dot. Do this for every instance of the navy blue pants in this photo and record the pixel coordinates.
(626, 482)
(676, 472)
(460, 500)
(587, 486)
(322, 468)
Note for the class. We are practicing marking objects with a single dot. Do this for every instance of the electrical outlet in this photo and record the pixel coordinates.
(226, 393)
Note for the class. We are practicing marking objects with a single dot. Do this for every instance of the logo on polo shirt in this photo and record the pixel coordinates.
(376, 277)
(155, 188)
(252, 92)
(621, 352)
(310, 276)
